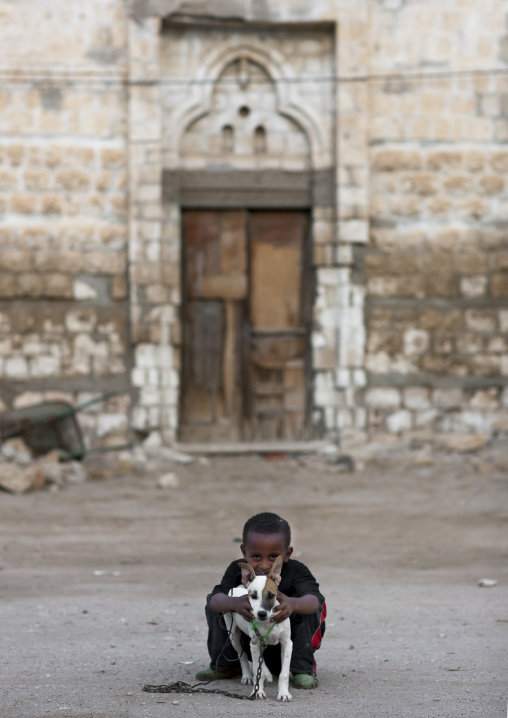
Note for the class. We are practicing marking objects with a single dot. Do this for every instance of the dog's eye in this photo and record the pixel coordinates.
(254, 595)
(270, 595)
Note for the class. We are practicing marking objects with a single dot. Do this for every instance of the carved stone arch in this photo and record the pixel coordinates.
(289, 104)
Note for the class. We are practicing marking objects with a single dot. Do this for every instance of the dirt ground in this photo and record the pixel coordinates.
(398, 547)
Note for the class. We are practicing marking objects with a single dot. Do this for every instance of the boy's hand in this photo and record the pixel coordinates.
(242, 606)
(284, 609)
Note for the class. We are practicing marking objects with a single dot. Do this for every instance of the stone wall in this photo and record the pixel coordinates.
(436, 267)
(63, 230)
(409, 111)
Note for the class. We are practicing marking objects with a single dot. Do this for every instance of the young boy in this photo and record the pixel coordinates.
(265, 537)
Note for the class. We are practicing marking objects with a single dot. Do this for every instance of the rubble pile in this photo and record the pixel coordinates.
(21, 472)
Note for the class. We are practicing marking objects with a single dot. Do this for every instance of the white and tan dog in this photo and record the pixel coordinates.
(262, 592)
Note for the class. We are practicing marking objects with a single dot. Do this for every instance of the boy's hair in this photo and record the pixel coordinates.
(267, 523)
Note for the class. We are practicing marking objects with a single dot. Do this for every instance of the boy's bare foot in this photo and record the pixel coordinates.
(209, 674)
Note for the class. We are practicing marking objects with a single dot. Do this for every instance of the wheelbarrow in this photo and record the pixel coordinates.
(51, 425)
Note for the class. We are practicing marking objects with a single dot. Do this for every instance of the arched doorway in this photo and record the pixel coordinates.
(247, 279)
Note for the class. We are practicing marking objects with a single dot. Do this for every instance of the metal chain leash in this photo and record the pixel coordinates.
(182, 687)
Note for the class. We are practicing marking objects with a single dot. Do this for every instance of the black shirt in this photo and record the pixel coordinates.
(296, 580)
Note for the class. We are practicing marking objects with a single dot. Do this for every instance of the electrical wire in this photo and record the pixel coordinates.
(40, 78)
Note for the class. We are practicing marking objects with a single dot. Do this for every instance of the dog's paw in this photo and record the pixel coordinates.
(284, 697)
(260, 695)
(246, 680)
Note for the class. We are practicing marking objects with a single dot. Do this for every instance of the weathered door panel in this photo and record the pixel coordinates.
(280, 278)
(276, 269)
(215, 254)
(247, 285)
(215, 292)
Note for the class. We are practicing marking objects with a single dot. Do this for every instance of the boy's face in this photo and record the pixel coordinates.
(261, 550)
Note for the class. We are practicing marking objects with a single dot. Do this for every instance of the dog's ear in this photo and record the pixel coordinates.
(275, 571)
(248, 573)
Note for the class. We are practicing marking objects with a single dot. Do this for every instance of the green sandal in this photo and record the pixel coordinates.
(304, 680)
(209, 674)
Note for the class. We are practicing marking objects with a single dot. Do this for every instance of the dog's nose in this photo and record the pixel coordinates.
(262, 615)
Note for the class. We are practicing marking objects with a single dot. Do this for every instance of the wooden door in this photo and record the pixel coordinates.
(246, 325)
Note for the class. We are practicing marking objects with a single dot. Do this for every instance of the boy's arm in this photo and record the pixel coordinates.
(220, 603)
(292, 604)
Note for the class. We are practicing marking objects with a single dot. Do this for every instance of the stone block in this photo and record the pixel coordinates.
(359, 377)
(390, 342)
(471, 263)
(420, 184)
(393, 160)
(499, 285)
(499, 161)
(501, 261)
(391, 263)
(465, 443)
(497, 345)
(51, 204)
(8, 180)
(73, 180)
(8, 286)
(445, 159)
(473, 208)
(146, 273)
(104, 262)
(57, 286)
(431, 262)
(469, 343)
(491, 184)
(355, 231)
(16, 367)
(82, 290)
(146, 356)
(441, 284)
(14, 260)
(475, 160)
(44, 366)
(119, 287)
(399, 421)
(81, 320)
(486, 365)
(448, 240)
(502, 318)
(485, 399)
(324, 358)
(383, 398)
(493, 239)
(113, 158)
(37, 180)
(458, 184)
(448, 398)
(471, 287)
(396, 286)
(157, 294)
(16, 154)
(47, 261)
(405, 206)
(22, 203)
(417, 398)
(432, 319)
(480, 320)
(30, 285)
(426, 419)
(439, 205)
(416, 342)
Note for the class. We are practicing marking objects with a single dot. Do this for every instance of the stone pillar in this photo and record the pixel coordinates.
(154, 284)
